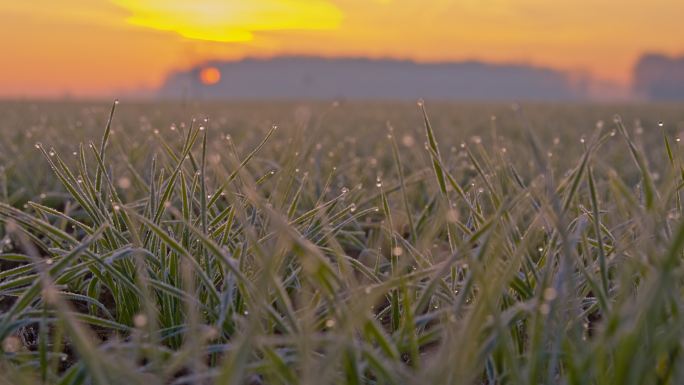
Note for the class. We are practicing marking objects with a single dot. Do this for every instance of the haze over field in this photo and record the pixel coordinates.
(104, 48)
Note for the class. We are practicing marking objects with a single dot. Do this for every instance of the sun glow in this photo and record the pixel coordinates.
(231, 20)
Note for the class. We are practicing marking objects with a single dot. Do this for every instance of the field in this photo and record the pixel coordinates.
(345, 243)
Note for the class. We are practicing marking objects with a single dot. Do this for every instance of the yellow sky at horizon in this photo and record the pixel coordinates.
(101, 47)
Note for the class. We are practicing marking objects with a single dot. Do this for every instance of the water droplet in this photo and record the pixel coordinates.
(140, 320)
(116, 207)
(344, 190)
(420, 102)
(156, 132)
(275, 126)
(116, 101)
(330, 323)
(408, 141)
(582, 140)
(378, 182)
(660, 124)
(352, 207)
(397, 251)
(677, 140)
(49, 261)
(11, 344)
(550, 294)
(52, 153)
(201, 128)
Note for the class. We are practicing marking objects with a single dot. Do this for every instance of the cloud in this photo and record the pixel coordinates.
(231, 20)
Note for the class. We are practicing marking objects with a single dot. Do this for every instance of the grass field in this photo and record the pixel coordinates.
(351, 243)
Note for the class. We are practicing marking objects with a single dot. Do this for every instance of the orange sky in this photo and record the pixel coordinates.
(52, 48)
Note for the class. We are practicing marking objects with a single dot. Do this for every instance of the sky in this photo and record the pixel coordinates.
(98, 48)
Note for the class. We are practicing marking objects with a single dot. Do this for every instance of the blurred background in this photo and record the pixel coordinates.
(493, 50)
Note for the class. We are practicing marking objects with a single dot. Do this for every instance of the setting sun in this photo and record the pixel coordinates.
(210, 76)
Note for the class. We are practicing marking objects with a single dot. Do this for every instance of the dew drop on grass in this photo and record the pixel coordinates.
(330, 323)
(660, 124)
(550, 294)
(11, 344)
(52, 153)
(49, 261)
(116, 102)
(397, 251)
(408, 141)
(140, 320)
(352, 207)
